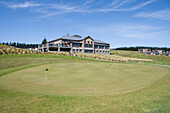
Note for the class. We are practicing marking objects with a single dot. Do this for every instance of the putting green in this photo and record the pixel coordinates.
(82, 78)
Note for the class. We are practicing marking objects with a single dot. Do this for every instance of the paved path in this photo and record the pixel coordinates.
(159, 65)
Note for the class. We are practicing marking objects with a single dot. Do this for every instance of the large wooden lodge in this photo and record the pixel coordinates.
(76, 44)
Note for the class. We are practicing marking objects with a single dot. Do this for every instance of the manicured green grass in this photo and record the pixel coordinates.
(152, 97)
(81, 78)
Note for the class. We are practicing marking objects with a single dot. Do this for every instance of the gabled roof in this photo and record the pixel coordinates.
(88, 37)
(77, 38)
(72, 37)
(66, 37)
(99, 41)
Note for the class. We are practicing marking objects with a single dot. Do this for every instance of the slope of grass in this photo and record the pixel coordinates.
(154, 98)
(163, 60)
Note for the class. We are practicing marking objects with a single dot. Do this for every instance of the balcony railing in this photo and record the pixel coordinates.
(65, 46)
(53, 45)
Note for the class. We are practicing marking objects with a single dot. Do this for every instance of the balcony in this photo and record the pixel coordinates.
(88, 45)
(65, 46)
(44, 45)
(53, 45)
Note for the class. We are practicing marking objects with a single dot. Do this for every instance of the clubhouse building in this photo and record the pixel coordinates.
(76, 44)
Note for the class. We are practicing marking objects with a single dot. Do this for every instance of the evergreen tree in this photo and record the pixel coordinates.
(14, 44)
(44, 41)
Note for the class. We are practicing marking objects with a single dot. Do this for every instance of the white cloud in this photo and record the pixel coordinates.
(162, 14)
(129, 31)
(114, 3)
(88, 2)
(122, 3)
(60, 8)
(142, 5)
(22, 5)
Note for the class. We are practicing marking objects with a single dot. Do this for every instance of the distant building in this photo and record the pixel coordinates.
(167, 53)
(143, 50)
(153, 52)
(148, 53)
(76, 44)
(160, 51)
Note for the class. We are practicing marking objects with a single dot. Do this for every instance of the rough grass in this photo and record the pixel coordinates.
(154, 98)
(163, 60)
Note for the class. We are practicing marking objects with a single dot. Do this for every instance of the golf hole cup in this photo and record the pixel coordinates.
(46, 70)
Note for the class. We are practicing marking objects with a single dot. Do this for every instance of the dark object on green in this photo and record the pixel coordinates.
(46, 69)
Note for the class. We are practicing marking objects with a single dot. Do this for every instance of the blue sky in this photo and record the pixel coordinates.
(119, 22)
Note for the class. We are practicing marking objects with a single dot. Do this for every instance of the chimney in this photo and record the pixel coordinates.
(67, 34)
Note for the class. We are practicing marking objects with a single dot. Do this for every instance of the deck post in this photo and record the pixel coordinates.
(83, 47)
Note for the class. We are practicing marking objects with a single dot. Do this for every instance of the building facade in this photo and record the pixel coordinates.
(76, 44)
(153, 52)
(143, 50)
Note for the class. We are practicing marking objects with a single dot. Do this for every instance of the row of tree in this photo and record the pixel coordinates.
(142, 47)
(24, 45)
(21, 45)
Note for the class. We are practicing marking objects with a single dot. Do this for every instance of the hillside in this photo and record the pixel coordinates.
(163, 60)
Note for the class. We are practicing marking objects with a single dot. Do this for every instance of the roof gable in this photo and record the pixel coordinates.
(88, 37)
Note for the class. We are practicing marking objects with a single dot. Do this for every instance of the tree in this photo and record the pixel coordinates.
(44, 41)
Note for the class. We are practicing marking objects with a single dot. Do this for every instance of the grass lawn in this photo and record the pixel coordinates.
(97, 87)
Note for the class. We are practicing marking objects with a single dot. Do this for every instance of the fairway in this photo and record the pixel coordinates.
(82, 78)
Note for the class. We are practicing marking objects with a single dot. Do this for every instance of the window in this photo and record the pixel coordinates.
(73, 49)
(88, 51)
(76, 49)
(50, 44)
(88, 42)
(90, 45)
(73, 44)
(95, 46)
(86, 45)
(106, 47)
(101, 47)
(97, 51)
